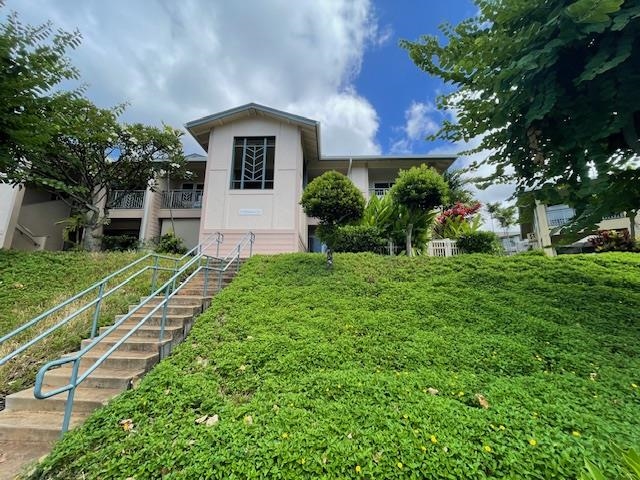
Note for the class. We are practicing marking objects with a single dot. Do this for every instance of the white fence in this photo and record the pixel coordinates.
(445, 247)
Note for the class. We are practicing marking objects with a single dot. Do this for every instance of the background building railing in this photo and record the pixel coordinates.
(132, 199)
(559, 216)
(379, 192)
(182, 199)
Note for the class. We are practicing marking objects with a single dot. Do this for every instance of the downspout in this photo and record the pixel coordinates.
(349, 169)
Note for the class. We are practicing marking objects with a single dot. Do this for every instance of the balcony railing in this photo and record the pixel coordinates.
(182, 199)
(132, 199)
(558, 217)
(378, 192)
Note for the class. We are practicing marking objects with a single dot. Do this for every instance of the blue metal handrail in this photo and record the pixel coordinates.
(100, 285)
(169, 289)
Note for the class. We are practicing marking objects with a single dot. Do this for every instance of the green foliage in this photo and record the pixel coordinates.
(32, 282)
(458, 191)
(315, 372)
(456, 227)
(479, 242)
(551, 89)
(419, 188)
(333, 199)
(170, 243)
(33, 64)
(357, 238)
(629, 464)
(93, 154)
(120, 243)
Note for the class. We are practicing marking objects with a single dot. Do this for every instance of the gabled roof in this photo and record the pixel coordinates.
(201, 127)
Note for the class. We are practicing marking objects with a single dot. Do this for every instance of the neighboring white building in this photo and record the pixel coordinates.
(545, 229)
(258, 161)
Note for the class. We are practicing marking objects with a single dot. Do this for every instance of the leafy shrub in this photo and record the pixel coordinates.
(170, 243)
(479, 242)
(357, 238)
(419, 188)
(614, 241)
(333, 199)
(630, 464)
(120, 243)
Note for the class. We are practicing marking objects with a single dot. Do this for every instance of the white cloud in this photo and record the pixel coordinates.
(419, 123)
(177, 61)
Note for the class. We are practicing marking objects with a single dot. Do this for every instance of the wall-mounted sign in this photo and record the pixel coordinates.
(245, 212)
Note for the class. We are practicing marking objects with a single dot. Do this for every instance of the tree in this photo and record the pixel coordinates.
(458, 193)
(506, 217)
(334, 200)
(551, 89)
(92, 154)
(33, 63)
(419, 190)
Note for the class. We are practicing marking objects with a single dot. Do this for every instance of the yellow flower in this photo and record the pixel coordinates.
(501, 427)
(405, 416)
(285, 435)
(460, 393)
(399, 465)
(358, 469)
(423, 448)
(633, 385)
(575, 433)
(487, 448)
(303, 460)
(434, 439)
(533, 442)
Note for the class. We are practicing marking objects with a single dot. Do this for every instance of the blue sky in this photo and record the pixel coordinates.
(390, 80)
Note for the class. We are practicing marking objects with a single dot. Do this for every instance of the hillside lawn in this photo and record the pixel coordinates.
(327, 373)
(32, 282)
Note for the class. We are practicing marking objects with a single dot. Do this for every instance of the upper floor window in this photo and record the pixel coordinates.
(253, 159)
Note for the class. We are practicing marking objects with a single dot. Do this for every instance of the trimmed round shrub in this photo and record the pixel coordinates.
(479, 242)
(420, 188)
(357, 238)
(333, 199)
(170, 243)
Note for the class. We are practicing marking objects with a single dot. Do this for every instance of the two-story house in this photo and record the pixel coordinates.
(258, 161)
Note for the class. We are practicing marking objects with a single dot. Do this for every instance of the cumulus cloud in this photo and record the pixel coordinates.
(419, 123)
(177, 61)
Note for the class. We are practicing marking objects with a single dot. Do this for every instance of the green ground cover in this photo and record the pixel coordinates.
(301, 372)
(32, 282)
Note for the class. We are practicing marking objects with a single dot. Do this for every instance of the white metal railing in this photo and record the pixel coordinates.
(445, 247)
(559, 216)
(182, 199)
(379, 192)
(615, 216)
(133, 199)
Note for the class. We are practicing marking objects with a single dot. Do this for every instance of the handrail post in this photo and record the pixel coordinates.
(218, 242)
(238, 259)
(68, 407)
(163, 321)
(96, 313)
(154, 279)
(251, 240)
(175, 271)
(206, 277)
(220, 271)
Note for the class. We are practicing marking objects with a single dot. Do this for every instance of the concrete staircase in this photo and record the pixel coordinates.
(29, 427)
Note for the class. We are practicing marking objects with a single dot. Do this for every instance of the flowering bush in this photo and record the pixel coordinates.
(458, 220)
(614, 241)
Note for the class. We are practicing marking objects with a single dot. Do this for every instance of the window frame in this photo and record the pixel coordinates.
(266, 182)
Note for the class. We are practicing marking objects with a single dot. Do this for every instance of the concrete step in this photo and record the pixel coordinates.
(119, 360)
(189, 291)
(176, 300)
(102, 377)
(34, 426)
(86, 400)
(174, 320)
(171, 309)
(130, 344)
(152, 332)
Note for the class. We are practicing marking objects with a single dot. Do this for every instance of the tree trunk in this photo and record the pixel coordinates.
(632, 224)
(93, 238)
(408, 246)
